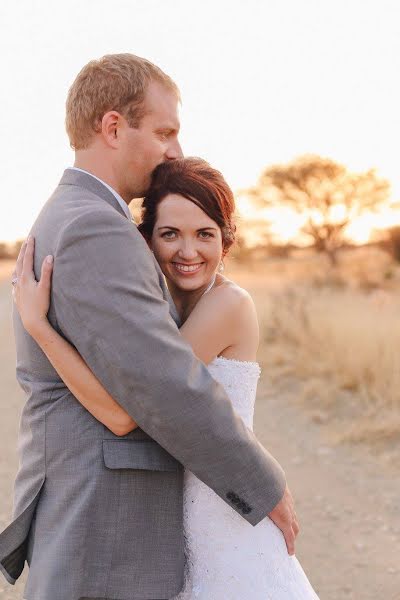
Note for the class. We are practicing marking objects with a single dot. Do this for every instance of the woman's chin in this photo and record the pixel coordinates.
(188, 283)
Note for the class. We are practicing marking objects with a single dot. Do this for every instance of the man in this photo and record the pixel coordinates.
(97, 515)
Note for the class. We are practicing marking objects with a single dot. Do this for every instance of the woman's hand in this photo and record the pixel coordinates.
(32, 297)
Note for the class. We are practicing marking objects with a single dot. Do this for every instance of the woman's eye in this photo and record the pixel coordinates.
(169, 235)
(205, 234)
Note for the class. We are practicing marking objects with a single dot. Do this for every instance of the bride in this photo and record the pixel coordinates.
(187, 220)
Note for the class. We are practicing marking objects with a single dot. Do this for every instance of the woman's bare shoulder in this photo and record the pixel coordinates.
(232, 299)
(225, 319)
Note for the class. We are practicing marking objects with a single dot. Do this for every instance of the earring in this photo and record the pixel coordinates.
(221, 266)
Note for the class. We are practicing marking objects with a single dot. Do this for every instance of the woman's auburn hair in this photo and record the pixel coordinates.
(195, 180)
(114, 82)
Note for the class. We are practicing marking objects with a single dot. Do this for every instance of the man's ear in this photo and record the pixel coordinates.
(110, 125)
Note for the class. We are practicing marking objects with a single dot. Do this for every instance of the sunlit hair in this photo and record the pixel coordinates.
(197, 181)
(114, 82)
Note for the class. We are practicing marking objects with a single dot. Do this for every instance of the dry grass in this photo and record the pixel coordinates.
(343, 344)
(337, 332)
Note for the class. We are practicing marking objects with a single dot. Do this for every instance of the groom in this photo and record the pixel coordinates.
(97, 515)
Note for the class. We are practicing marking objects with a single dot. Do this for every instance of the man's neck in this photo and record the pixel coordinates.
(101, 169)
(97, 171)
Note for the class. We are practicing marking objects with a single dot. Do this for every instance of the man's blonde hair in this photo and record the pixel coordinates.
(114, 82)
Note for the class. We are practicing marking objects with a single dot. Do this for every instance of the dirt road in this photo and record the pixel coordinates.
(347, 499)
(11, 399)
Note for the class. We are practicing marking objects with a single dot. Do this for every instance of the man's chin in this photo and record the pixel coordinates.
(140, 193)
(146, 184)
(144, 189)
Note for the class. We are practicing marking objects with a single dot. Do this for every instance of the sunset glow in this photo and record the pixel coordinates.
(285, 224)
(282, 87)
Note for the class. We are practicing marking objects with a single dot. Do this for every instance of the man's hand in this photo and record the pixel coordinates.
(284, 517)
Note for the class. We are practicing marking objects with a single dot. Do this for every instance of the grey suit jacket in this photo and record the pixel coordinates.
(95, 514)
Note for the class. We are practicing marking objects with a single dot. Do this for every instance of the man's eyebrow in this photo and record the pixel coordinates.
(169, 128)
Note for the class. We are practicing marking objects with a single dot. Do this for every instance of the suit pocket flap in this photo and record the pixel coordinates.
(133, 454)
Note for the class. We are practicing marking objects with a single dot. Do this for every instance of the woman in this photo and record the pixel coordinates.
(187, 221)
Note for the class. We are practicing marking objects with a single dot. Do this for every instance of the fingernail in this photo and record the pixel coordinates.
(49, 259)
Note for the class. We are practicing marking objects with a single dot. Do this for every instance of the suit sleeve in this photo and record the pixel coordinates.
(109, 304)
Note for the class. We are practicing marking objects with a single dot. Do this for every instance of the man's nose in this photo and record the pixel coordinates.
(174, 151)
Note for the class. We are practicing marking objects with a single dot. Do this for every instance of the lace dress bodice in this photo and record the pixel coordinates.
(226, 557)
(239, 379)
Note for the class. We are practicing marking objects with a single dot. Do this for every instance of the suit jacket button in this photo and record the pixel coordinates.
(233, 497)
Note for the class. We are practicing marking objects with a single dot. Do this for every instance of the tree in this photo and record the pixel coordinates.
(324, 191)
(394, 241)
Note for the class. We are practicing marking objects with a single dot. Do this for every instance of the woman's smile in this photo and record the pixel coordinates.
(186, 269)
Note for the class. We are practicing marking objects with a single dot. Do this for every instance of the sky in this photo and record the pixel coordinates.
(261, 81)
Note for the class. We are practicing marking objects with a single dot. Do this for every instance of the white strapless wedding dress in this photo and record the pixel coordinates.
(226, 557)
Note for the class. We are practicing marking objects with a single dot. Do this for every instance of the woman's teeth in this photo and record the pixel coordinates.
(187, 268)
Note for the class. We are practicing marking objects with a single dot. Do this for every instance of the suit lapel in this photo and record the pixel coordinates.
(87, 182)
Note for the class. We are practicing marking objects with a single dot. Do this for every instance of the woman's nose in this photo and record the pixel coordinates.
(187, 251)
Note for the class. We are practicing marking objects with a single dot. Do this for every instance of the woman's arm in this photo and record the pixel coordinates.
(32, 299)
(81, 381)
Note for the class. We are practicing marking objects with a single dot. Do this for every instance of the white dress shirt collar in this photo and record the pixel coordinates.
(116, 195)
